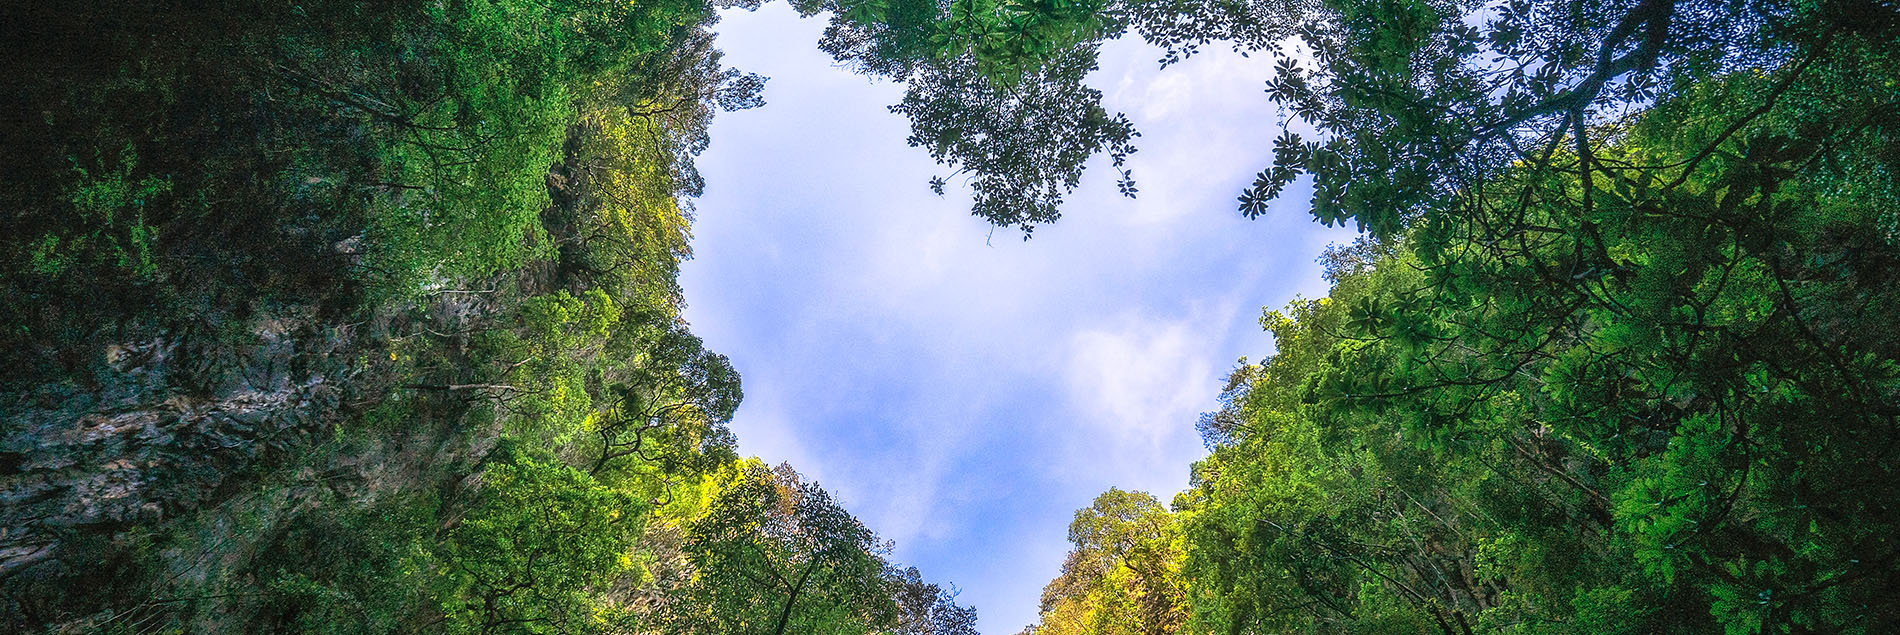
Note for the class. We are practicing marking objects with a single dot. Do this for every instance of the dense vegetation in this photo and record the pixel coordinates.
(1613, 355)
(345, 316)
(362, 317)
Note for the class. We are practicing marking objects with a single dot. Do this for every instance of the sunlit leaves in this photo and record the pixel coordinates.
(1122, 575)
(776, 554)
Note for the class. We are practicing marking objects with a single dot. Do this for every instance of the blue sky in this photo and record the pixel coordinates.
(960, 390)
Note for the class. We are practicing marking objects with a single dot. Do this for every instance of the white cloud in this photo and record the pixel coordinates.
(1206, 126)
(1138, 380)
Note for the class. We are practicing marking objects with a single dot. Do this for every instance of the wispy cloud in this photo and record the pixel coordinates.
(1139, 379)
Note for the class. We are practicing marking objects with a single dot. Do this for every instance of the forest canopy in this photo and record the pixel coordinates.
(1612, 354)
(342, 316)
(363, 317)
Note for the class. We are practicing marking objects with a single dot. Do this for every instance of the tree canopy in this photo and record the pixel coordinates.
(344, 316)
(1611, 355)
(387, 292)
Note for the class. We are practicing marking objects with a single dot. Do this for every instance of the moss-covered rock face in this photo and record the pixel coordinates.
(140, 449)
(148, 487)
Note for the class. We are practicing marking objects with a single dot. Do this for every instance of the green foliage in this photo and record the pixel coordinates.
(110, 222)
(537, 549)
(469, 165)
(669, 406)
(1614, 356)
(994, 89)
(378, 577)
(1411, 99)
(1024, 144)
(1586, 374)
(460, 225)
(542, 363)
(293, 153)
(775, 554)
(1123, 575)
